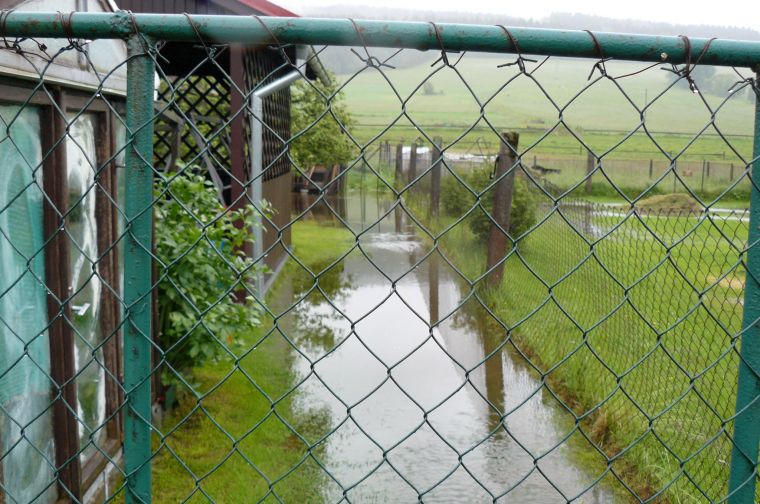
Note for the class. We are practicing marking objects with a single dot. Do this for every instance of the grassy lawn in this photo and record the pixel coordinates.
(468, 107)
(244, 440)
(634, 334)
(601, 115)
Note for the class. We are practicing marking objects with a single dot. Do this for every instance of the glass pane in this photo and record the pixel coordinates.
(120, 133)
(27, 467)
(81, 223)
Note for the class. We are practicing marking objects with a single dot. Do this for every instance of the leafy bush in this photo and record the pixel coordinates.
(456, 200)
(321, 123)
(199, 243)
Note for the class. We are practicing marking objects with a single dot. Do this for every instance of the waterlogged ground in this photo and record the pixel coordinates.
(414, 411)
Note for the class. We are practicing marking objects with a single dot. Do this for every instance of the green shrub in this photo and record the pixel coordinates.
(199, 243)
(456, 200)
(320, 138)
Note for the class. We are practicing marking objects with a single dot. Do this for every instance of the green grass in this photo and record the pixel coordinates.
(601, 117)
(597, 115)
(216, 449)
(317, 243)
(625, 354)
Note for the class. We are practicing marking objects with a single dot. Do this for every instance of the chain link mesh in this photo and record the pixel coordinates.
(494, 281)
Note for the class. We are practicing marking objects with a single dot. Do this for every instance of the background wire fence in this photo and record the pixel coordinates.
(450, 316)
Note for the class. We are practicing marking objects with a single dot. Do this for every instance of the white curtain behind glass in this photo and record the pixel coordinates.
(81, 222)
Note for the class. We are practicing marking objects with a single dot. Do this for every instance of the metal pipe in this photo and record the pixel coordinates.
(414, 35)
(138, 260)
(255, 188)
(746, 435)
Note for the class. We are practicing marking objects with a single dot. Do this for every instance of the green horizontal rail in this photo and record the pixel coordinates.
(413, 35)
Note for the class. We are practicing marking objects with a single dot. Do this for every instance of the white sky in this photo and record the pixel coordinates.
(743, 13)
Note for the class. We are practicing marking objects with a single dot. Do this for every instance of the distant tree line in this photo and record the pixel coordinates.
(560, 20)
(342, 61)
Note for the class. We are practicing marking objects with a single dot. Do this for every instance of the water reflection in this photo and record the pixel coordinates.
(424, 396)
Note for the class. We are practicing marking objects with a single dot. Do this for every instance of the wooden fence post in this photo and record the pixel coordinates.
(651, 168)
(413, 162)
(433, 288)
(590, 165)
(675, 178)
(399, 165)
(502, 206)
(435, 181)
(702, 181)
(731, 176)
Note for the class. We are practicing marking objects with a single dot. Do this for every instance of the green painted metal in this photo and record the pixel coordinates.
(747, 424)
(414, 35)
(137, 270)
(138, 259)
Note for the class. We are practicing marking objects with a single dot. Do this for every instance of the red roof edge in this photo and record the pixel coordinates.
(267, 8)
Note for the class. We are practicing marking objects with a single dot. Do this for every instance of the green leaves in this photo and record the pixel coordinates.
(202, 268)
(321, 123)
(458, 200)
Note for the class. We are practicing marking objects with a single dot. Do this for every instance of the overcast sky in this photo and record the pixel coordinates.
(743, 13)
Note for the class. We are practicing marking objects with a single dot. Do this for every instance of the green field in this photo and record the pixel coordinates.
(601, 115)
(598, 114)
(635, 334)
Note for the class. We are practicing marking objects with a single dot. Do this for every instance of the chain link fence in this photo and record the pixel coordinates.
(230, 275)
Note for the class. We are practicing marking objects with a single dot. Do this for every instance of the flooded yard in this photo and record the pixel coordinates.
(426, 400)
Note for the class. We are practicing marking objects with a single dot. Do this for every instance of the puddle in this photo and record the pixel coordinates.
(415, 410)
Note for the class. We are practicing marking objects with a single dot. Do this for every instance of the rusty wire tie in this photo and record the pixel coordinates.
(601, 64)
(688, 67)
(520, 61)
(198, 35)
(3, 29)
(370, 61)
(66, 24)
(16, 44)
(743, 80)
(274, 42)
(151, 49)
(444, 57)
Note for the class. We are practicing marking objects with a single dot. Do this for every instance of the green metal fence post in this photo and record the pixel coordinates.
(747, 423)
(137, 269)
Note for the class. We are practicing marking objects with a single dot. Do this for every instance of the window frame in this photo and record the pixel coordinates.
(73, 476)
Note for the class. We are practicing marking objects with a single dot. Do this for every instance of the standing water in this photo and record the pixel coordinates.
(415, 411)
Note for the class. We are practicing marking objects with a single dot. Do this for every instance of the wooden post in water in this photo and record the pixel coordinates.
(675, 179)
(433, 285)
(590, 165)
(702, 181)
(399, 165)
(494, 377)
(435, 180)
(502, 206)
(413, 162)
